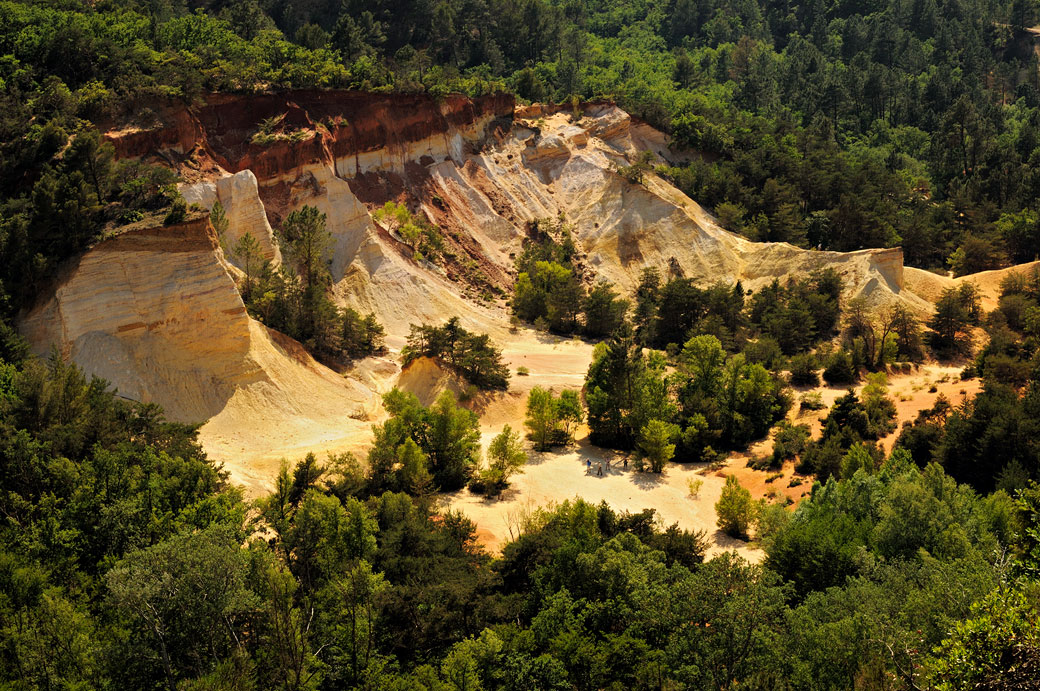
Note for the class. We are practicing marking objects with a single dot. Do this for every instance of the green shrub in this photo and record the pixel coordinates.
(178, 212)
(811, 400)
(735, 509)
(790, 441)
(804, 370)
(838, 369)
(694, 486)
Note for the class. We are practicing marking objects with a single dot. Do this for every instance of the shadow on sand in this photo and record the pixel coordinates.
(726, 542)
(647, 481)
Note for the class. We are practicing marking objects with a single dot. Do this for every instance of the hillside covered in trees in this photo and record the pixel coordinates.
(839, 126)
(129, 560)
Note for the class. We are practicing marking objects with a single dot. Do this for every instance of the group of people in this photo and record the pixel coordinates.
(599, 468)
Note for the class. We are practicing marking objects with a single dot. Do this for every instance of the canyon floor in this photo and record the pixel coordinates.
(552, 477)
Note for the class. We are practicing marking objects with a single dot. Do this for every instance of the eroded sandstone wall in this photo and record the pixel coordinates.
(154, 312)
(245, 213)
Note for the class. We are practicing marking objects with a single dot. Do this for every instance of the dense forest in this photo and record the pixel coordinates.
(129, 561)
(833, 125)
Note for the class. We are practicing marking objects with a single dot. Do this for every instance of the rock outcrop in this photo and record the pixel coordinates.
(355, 131)
(155, 312)
(245, 213)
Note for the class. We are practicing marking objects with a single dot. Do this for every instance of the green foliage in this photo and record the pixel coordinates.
(789, 442)
(799, 314)
(505, 456)
(1020, 233)
(981, 440)
(647, 305)
(713, 399)
(997, 646)
(423, 238)
(655, 443)
(248, 251)
(121, 550)
(362, 335)
(604, 311)
(956, 311)
(624, 389)
(443, 438)
(737, 401)
(295, 298)
(219, 220)
(182, 596)
(789, 319)
(838, 368)
(550, 293)
(900, 513)
(682, 310)
(98, 491)
(551, 419)
(548, 289)
(125, 550)
(474, 356)
(805, 370)
(735, 509)
(634, 173)
(870, 127)
(851, 420)
(307, 244)
(178, 212)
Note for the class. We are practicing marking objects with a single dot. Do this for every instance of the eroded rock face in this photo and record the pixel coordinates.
(356, 131)
(240, 197)
(155, 313)
(482, 171)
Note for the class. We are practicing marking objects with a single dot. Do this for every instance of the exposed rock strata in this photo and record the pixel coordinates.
(482, 170)
(156, 312)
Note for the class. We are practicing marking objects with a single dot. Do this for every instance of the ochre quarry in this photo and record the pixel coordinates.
(155, 311)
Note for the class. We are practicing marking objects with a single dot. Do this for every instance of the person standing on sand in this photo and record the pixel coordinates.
(588, 465)
(600, 472)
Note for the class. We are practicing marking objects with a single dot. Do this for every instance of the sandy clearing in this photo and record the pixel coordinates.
(912, 393)
(551, 478)
(555, 477)
(251, 442)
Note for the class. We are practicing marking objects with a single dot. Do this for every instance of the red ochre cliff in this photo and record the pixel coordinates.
(339, 125)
